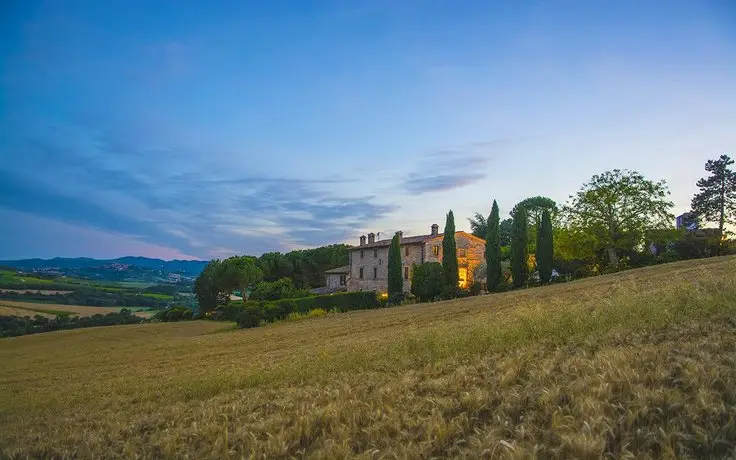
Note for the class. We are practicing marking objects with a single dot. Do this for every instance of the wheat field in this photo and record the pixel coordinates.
(79, 310)
(641, 364)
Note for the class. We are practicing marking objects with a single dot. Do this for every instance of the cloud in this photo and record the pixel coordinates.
(441, 183)
(99, 179)
(451, 168)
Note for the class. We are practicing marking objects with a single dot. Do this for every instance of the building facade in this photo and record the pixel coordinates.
(369, 260)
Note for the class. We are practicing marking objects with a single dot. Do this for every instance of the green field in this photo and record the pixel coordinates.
(640, 364)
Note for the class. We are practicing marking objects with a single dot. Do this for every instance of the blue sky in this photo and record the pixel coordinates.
(206, 129)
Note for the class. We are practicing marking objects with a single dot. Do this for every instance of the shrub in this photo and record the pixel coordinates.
(476, 287)
(250, 316)
(281, 309)
(427, 281)
(276, 290)
(173, 314)
(316, 313)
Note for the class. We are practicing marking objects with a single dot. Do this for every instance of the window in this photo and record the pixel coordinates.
(461, 252)
(462, 277)
(406, 250)
(361, 273)
(375, 253)
(342, 280)
(375, 272)
(406, 273)
(362, 253)
(436, 251)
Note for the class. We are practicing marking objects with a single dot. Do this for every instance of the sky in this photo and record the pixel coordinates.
(207, 129)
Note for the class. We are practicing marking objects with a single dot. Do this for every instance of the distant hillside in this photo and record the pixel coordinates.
(185, 267)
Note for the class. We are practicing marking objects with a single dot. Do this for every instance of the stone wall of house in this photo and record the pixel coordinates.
(377, 258)
(332, 280)
(470, 252)
(415, 253)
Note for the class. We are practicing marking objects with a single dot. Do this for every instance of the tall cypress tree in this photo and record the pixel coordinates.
(449, 255)
(395, 280)
(519, 254)
(493, 249)
(545, 248)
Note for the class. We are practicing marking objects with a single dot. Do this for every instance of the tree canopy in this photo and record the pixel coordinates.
(493, 249)
(545, 248)
(716, 200)
(617, 208)
(395, 278)
(519, 251)
(449, 255)
(535, 206)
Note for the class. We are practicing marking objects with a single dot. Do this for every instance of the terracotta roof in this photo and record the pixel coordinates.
(339, 270)
(410, 240)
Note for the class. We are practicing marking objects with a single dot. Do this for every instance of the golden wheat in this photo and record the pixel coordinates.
(641, 364)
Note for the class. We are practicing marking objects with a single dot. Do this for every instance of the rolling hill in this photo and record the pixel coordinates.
(637, 364)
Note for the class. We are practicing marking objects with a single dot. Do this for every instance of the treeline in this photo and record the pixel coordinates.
(267, 276)
(305, 268)
(253, 313)
(93, 298)
(13, 326)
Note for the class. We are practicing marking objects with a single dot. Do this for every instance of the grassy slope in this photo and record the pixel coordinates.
(642, 363)
(76, 310)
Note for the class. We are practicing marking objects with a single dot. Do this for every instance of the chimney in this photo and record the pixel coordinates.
(362, 240)
(371, 238)
(435, 229)
(401, 235)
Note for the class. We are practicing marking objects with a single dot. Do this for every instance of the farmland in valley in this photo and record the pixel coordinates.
(31, 308)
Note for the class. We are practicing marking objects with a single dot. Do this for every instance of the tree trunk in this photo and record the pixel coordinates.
(613, 256)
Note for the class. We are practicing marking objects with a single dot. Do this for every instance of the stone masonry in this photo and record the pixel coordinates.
(368, 261)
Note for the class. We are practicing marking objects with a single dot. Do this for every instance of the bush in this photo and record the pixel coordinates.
(281, 309)
(276, 290)
(174, 314)
(475, 288)
(250, 316)
(427, 281)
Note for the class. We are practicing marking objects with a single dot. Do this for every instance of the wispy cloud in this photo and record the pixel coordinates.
(99, 182)
(451, 167)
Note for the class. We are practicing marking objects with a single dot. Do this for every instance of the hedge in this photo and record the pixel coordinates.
(245, 312)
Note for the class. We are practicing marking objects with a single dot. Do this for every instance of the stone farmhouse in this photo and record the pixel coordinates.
(368, 268)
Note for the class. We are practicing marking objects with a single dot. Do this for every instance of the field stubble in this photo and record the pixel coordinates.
(638, 364)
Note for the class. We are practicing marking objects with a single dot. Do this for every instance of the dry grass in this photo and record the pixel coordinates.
(639, 364)
(12, 311)
(79, 310)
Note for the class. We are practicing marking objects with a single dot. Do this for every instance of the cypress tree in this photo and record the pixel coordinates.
(545, 248)
(519, 254)
(395, 279)
(449, 256)
(493, 249)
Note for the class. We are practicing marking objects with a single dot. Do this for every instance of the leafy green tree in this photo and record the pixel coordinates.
(479, 228)
(478, 225)
(427, 281)
(617, 208)
(535, 207)
(208, 287)
(493, 249)
(395, 278)
(239, 273)
(276, 290)
(716, 201)
(519, 254)
(545, 247)
(449, 256)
